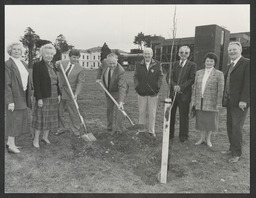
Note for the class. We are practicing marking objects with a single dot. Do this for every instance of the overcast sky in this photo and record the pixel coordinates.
(87, 26)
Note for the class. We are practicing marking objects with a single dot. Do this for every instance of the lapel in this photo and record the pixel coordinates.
(16, 71)
(237, 64)
(211, 76)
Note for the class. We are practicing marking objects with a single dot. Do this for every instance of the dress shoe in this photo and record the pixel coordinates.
(202, 141)
(183, 139)
(13, 150)
(152, 134)
(45, 141)
(234, 159)
(228, 152)
(18, 147)
(59, 132)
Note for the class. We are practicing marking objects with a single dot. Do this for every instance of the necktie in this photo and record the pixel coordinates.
(228, 78)
(181, 64)
(68, 70)
(109, 78)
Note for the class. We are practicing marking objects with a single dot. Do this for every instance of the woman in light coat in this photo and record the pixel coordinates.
(18, 87)
(207, 97)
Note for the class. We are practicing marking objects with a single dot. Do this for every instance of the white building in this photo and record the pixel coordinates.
(89, 59)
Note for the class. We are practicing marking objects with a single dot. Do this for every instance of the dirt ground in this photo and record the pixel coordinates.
(125, 163)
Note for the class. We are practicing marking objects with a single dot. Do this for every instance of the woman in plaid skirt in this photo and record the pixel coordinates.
(47, 94)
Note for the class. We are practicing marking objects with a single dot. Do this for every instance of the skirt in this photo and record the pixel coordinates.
(206, 120)
(46, 118)
(16, 122)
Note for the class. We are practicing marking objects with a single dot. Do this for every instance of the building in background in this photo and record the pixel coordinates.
(90, 58)
(208, 38)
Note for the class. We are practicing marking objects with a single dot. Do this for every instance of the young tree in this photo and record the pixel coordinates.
(140, 40)
(104, 52)
(29, 41)
(61, 46)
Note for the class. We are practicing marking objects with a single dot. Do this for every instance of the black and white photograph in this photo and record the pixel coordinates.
(127, 98)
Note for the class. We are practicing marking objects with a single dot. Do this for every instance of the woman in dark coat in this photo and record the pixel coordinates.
(18, 86)
(47, 94)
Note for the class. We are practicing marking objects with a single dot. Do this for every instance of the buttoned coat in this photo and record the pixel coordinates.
(185, 80)
(76, 80)
(239, 83)
(14, 92)
(213, 92)
(118, 86)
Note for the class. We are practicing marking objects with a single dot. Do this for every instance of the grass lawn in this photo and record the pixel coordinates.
(125, 163)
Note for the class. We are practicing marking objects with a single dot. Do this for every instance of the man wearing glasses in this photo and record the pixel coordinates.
(182, 78)
(236, 98)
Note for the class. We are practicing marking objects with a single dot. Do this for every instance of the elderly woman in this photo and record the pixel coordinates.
(207, 97)
(17, 96)
(47, 94)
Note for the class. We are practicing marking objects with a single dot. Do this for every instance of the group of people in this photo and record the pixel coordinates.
(203, 91)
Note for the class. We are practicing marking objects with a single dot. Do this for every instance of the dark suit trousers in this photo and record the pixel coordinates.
(235, 122)
(184, 120)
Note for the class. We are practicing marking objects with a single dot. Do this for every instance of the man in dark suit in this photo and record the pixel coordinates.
(236, 98)
(111, 74)
(76, 77)
(182, 78)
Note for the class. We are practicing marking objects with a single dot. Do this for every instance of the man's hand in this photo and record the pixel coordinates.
(40, 103)
(242, 105)
(98, 80)
(75, 97)
(177, 88)
(11, 107)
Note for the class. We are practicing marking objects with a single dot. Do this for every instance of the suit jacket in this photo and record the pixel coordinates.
(76, 80)
(42, 80)
(239, 83)
(186, 79)
(213, 90)
(14, 92)
(118, 83)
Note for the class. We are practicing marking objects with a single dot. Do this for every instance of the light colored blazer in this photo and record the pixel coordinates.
(118, 85)
(76, 80)
(14, 92)
(213, 90)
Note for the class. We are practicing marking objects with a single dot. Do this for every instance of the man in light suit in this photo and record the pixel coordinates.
(111, 74)
(182, 78)
(236, 98)
(76, 77)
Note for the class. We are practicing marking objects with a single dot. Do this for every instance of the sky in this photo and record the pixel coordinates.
(87, 26)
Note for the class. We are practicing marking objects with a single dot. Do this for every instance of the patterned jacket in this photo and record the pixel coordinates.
(213, 90)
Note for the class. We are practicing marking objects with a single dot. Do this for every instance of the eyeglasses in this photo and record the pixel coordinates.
(184, 52)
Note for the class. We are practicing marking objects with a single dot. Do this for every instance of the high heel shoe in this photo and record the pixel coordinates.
(44, 141)
(10, 150)
(38, 147)
(209, 144)
(202, 141)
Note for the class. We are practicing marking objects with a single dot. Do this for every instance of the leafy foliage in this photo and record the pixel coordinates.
(104, 52)
(29, 41)
(61, 46)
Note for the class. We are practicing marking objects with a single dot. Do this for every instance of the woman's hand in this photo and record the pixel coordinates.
(121, 105)
(40, 103)
(59, 98)
(11, 107)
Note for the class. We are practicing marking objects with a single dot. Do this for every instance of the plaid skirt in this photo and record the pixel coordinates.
(46, 118)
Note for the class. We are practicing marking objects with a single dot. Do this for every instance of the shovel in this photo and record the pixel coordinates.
(134, 126)
(85, 136)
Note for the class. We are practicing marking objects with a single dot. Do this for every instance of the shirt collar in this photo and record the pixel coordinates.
(235, 61)
(208, 70)
(184, 62)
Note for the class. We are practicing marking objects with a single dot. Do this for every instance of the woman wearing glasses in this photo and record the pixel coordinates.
(207, 98)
